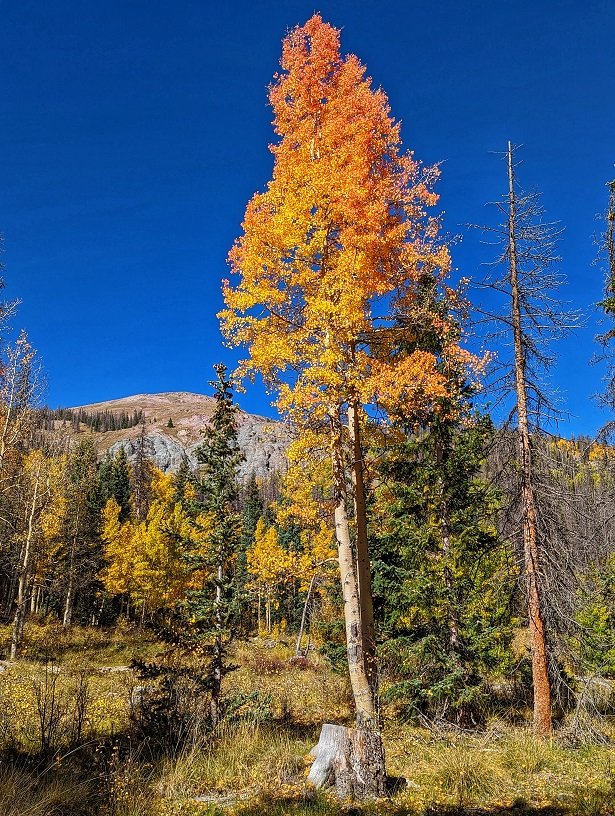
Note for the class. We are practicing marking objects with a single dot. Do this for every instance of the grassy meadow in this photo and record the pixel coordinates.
(73, 744)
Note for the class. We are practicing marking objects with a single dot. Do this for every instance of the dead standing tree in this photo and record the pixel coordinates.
(607, 247)
(532, 317)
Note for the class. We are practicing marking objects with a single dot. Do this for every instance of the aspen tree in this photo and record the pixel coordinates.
(42, 507)
(340, 236)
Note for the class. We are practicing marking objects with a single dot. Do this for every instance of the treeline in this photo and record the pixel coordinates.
(203, 558)
(49, 419)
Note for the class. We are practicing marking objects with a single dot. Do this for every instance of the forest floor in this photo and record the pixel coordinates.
(68, 745)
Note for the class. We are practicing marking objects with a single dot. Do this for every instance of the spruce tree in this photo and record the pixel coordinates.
(211, 607)
(80, 557)
(443, 581)
(114, 476)
(141, 475)
(251, 511)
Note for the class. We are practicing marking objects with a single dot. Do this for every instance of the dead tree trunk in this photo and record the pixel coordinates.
(349, 759)
(531, 549)
(610, 235)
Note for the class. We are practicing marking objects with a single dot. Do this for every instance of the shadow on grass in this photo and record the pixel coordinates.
(326, 807)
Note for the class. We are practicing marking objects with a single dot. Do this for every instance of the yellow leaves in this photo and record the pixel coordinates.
(306, 502)
(144, 559)
(268, 562)
(110, 520)
(341, 224)
(52, 519)
(121, 550)
(163, 487)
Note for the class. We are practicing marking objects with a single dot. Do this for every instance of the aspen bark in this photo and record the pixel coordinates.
(361, 689)
(304, 617)
(531, 550)
(357, 763)
(24, 573)
(70, 591)
(338, 755)
(68, 605)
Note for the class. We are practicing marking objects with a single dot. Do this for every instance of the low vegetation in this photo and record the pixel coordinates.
(72, 745)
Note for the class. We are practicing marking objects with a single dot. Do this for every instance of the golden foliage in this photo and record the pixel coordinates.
(343, 223)
(145, 559)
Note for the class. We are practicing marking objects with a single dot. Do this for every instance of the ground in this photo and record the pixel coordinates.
(68, 748)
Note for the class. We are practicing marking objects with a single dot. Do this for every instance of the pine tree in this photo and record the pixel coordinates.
(533, 317)
(251, 511)
(82, 551)
(115, 481)
(141, 474)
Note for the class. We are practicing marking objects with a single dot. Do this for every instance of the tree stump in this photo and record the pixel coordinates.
(351, 760)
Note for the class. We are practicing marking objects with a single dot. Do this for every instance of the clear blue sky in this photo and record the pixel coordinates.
(133, 133)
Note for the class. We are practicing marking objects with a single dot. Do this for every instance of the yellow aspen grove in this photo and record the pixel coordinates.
(41, 508)
(331, 254)
(121, 551)
(269, 564)
(143, 558)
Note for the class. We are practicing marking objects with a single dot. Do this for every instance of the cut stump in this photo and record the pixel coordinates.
(351, 760)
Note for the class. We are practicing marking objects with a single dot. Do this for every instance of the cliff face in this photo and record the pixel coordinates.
(263, 441)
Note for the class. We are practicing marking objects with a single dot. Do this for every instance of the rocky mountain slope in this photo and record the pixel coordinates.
(263, 441)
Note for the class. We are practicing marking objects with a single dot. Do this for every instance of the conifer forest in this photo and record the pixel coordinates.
(416, 613)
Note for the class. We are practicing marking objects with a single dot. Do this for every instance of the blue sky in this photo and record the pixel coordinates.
(134, 133)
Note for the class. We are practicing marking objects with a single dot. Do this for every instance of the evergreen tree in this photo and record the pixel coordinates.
(443, 581)
(114, 476)
(212, 606)
(184, 482)
(251, 512)
(81, 554)
(141, 475)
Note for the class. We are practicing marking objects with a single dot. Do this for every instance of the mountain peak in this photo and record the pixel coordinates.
(174, 423)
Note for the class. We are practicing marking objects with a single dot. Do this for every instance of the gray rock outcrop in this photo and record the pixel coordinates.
(262, 442)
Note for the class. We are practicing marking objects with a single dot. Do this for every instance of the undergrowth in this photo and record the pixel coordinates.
(67, 748)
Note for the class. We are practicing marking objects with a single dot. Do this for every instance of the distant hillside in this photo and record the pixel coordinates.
(263, 441)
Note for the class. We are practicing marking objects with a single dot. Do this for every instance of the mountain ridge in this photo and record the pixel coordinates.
(173, 423)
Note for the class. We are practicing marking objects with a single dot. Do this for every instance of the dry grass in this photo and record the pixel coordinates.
(50, 794)
(252, 769)
(81, 645)
(245, 759)
(257, 765)
(496, 769)
(51, 698)
(304, 693)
